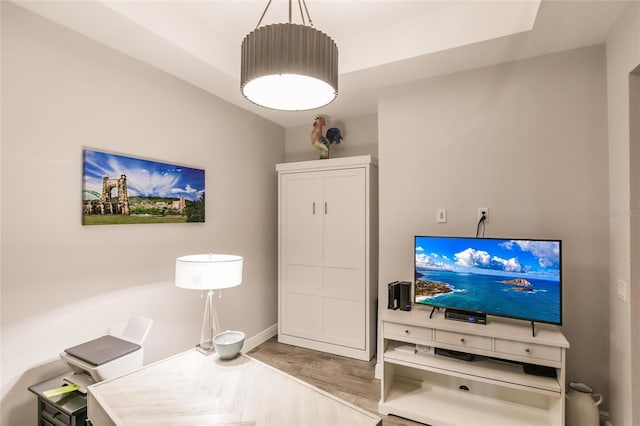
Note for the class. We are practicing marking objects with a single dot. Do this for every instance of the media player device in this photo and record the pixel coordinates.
(466, 316)
(399, 295)
(539, 370)
(464, 356)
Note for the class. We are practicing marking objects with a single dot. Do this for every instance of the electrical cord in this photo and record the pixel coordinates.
(482, 220)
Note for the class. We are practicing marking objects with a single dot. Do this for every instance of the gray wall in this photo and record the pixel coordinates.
(64, 283)
(623, 56)
(526, 139)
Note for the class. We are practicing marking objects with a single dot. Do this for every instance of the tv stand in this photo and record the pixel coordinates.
(432, 311)
(493, 389)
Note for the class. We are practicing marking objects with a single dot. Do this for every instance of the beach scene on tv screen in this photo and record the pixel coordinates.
(512, 278)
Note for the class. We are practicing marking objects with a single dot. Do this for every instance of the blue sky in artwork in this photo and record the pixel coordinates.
(535, 258)
(144, 177)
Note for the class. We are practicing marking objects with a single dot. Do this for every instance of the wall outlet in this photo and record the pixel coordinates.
(441, 215)
(484, 210)
(622, 290)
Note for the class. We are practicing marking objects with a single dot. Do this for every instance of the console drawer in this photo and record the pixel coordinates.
(464, 340)
(393, 330)
(53, 415)
(530, 350)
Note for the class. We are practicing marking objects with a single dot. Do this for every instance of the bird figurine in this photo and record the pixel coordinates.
(317, 139)
(321, 142)
(333, 134)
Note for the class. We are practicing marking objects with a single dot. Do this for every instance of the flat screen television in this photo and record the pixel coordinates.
(515, 278)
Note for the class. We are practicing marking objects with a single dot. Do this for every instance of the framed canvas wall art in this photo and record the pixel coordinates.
(118, 189)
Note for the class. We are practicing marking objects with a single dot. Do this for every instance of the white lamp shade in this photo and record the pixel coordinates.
(208, 271)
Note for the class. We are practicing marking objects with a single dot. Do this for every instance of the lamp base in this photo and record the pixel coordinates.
(206, 348)
(209, 327)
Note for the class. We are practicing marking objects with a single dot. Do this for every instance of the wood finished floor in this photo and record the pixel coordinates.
(346, 378)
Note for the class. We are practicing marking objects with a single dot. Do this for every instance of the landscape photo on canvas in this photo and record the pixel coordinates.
(118, 189)
(512, 278)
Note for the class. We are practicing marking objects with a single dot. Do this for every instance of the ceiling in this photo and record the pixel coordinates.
(381, 43)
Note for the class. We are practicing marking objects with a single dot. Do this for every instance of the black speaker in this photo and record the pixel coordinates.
(405, 295)
(394, 296)
(399, 295)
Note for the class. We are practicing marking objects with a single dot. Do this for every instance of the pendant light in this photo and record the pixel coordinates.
(289, 66)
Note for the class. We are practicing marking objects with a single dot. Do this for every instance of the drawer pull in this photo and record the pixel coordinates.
(527, 350)
(462, 340)
(406, 332)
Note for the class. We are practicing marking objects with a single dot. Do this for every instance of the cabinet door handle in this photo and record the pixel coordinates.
(313, 209)
(325, 207)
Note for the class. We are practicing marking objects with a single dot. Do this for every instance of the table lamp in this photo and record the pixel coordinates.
(208, 272)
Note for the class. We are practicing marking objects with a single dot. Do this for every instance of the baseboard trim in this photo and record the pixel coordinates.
(378, 371)
(258, 339)
(332, 348)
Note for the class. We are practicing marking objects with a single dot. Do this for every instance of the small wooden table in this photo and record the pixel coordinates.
(194, 389)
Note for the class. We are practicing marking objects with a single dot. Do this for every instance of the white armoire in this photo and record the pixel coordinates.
(327, 251)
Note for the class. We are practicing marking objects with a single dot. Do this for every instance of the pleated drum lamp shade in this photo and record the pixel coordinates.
(289, 67)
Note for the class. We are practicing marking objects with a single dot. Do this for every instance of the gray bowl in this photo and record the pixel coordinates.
(228, 343)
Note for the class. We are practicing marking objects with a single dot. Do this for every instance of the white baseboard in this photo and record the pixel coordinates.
(378, 371)
(258, 339)
(332, 348)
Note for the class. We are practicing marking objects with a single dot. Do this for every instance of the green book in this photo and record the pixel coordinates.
(60, 390)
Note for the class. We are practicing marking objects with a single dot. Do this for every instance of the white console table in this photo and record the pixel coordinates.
(493, 389)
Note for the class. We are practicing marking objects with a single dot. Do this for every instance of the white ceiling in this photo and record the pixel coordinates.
(381, 43)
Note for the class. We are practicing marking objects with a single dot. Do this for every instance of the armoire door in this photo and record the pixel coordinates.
(301, 293)
(344, 252)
